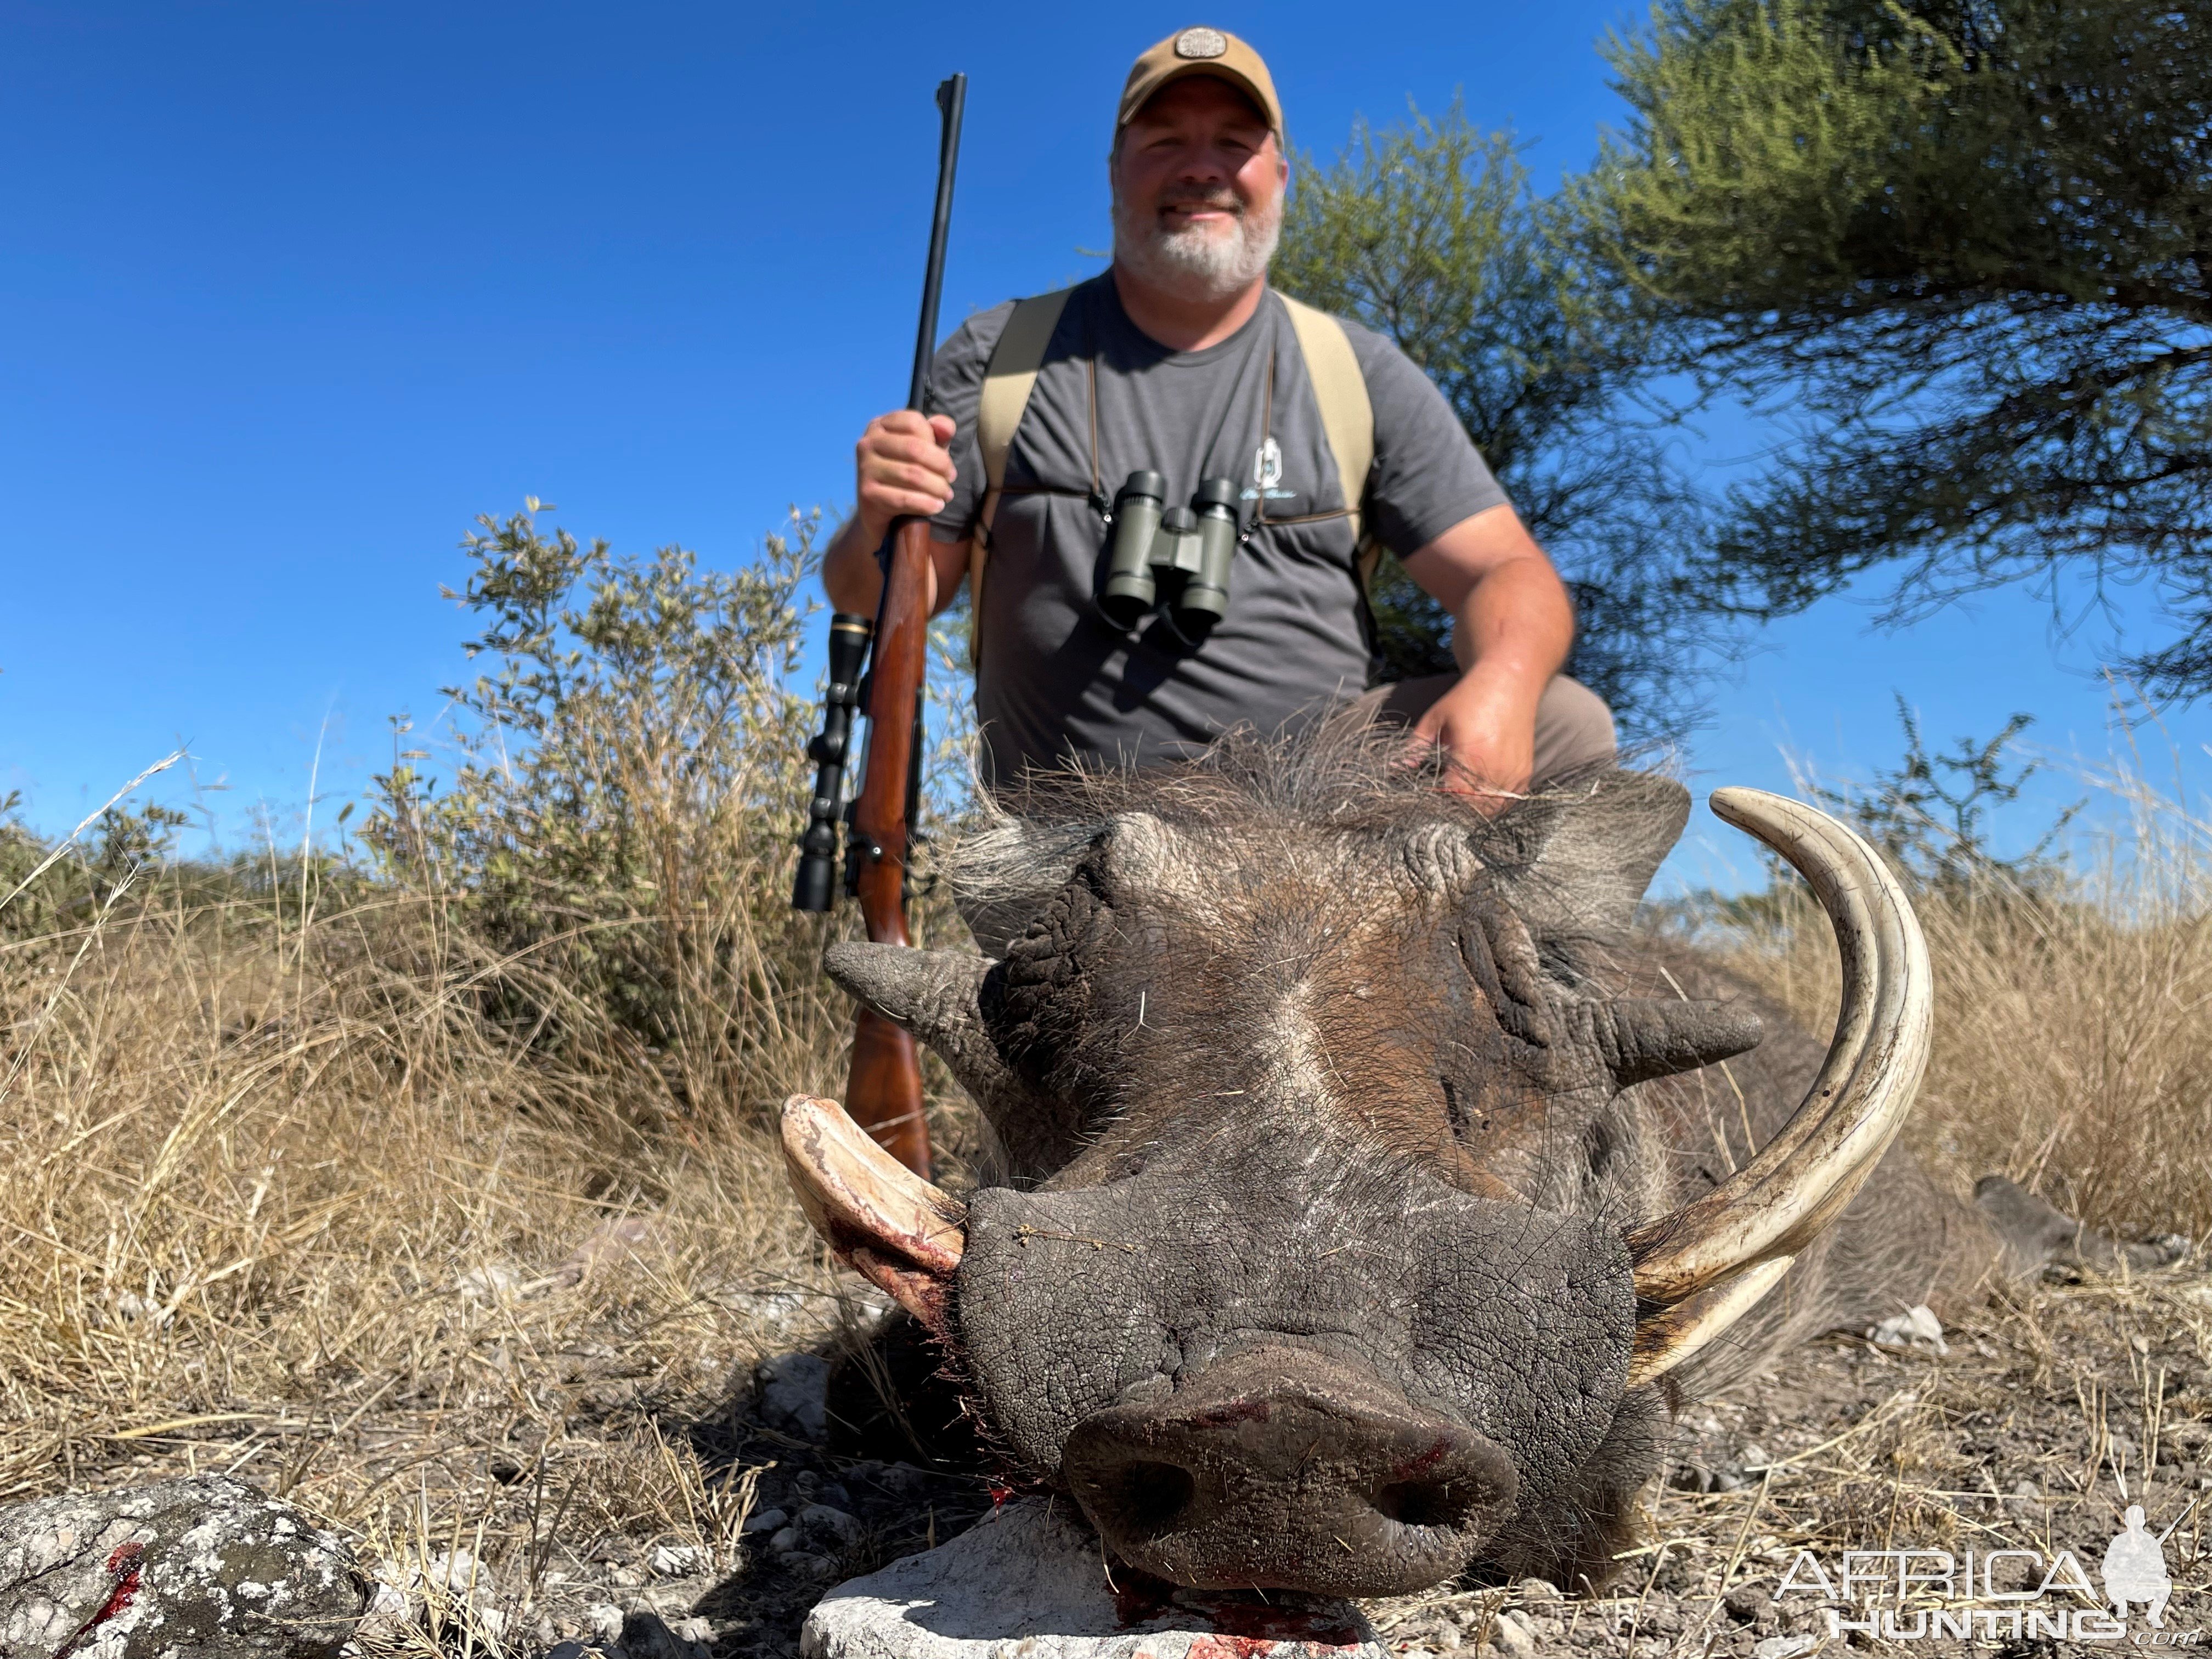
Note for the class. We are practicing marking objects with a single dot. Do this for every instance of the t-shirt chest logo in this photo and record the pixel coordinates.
(1267, 474)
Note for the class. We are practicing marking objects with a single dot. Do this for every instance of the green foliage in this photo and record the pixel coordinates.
(1963, 248)
(1429, 233)
(626, 797)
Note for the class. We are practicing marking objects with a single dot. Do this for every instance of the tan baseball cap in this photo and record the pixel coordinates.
(1201, 51)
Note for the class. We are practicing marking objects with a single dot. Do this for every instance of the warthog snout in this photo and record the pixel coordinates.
(1283, 1468)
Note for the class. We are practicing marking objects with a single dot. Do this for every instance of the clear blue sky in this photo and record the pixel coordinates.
(290, 292)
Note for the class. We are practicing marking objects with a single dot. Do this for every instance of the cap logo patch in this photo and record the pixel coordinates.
(1200, 42)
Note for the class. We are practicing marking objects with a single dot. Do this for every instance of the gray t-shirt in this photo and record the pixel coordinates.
(1055, 678)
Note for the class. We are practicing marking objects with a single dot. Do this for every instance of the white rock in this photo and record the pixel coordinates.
(605, 1620)
(679, 1560)
(1914, 1328)
(1785, 1647)
(1511, 1636)
(491, 1286)
(1028, 1583)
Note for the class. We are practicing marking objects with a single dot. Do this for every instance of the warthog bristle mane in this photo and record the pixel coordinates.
(1341, 776)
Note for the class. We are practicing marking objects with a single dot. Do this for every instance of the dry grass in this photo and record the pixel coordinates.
(281, 1201)
(2073, 1030)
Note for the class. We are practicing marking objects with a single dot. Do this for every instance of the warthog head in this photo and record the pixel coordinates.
(1335, 1254)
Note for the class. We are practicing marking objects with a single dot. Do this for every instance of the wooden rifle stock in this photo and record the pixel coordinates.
(884, 1093)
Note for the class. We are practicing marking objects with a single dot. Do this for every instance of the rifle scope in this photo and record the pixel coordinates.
(815, 888)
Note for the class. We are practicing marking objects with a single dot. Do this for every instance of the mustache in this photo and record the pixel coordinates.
(1220, 197)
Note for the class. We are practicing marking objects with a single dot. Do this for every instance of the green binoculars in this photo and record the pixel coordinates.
(1184, 550)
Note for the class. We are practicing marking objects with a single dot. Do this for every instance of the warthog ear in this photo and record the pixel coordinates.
(935, 994)
(1646, 1039)
(938, 995)
(1574, 865)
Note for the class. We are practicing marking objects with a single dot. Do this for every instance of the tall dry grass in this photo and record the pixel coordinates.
(439, 1189)
(2073, 1043)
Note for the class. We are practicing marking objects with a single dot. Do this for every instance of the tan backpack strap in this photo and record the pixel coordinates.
(1348, 417)
(1008, 380)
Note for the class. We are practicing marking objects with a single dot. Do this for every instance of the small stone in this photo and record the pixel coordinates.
(764, 1521)
(1539, 1589)
(1511, 1636)
(457, 1573)
(901, 1480)
(1785, 1647)
(568, 1650)
(785, 1541)
(1745, 1603)
(1753, 1458)
(824, 1527)
(834, 1493)
(679, 1560)
(647, 1635)
(389, 1613)
(1915, 1327)
(794, 1394)
(605, 1620)
(625, 1578)
(692, 1629)
(804, 1563)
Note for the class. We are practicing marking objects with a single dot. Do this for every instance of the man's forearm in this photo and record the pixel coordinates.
(850, 575)
(1513, 628)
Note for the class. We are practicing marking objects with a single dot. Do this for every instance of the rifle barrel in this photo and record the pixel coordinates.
(952, 101)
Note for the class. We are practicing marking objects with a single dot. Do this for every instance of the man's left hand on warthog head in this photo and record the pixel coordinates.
(1360, 1218)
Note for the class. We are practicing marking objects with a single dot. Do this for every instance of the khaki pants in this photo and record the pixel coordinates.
(1574, 728)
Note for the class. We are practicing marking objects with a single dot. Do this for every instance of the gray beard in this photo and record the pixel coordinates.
(1195, 263)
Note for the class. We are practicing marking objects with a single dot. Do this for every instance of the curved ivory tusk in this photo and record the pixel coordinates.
(904, 1234)
(1802, 1179)
(1664, 1339)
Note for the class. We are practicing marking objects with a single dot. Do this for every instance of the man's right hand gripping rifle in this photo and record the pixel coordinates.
(903, 467)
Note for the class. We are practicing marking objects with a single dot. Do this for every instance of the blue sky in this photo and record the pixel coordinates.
(288, 293)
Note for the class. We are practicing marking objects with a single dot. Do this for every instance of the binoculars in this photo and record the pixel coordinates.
(1184, 549)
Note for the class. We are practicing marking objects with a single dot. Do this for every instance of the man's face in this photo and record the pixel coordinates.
(1198, 190)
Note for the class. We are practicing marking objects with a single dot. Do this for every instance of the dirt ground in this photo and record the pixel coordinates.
(2054, 1408)
(620, 1511)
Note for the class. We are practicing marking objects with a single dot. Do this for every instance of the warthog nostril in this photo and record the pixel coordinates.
(1141, 1499)
(1431, 1503)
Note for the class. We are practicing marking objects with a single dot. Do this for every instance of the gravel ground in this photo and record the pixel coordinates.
(2049, 1412)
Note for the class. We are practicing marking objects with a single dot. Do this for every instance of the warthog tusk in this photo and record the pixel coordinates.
(1664, 1339)
(901, 1233)
(1801, 1181)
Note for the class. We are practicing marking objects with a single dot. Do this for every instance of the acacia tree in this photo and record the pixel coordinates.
(1429, 233)
(1964, 248)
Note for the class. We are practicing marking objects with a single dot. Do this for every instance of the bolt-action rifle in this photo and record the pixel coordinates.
(884, 1093)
